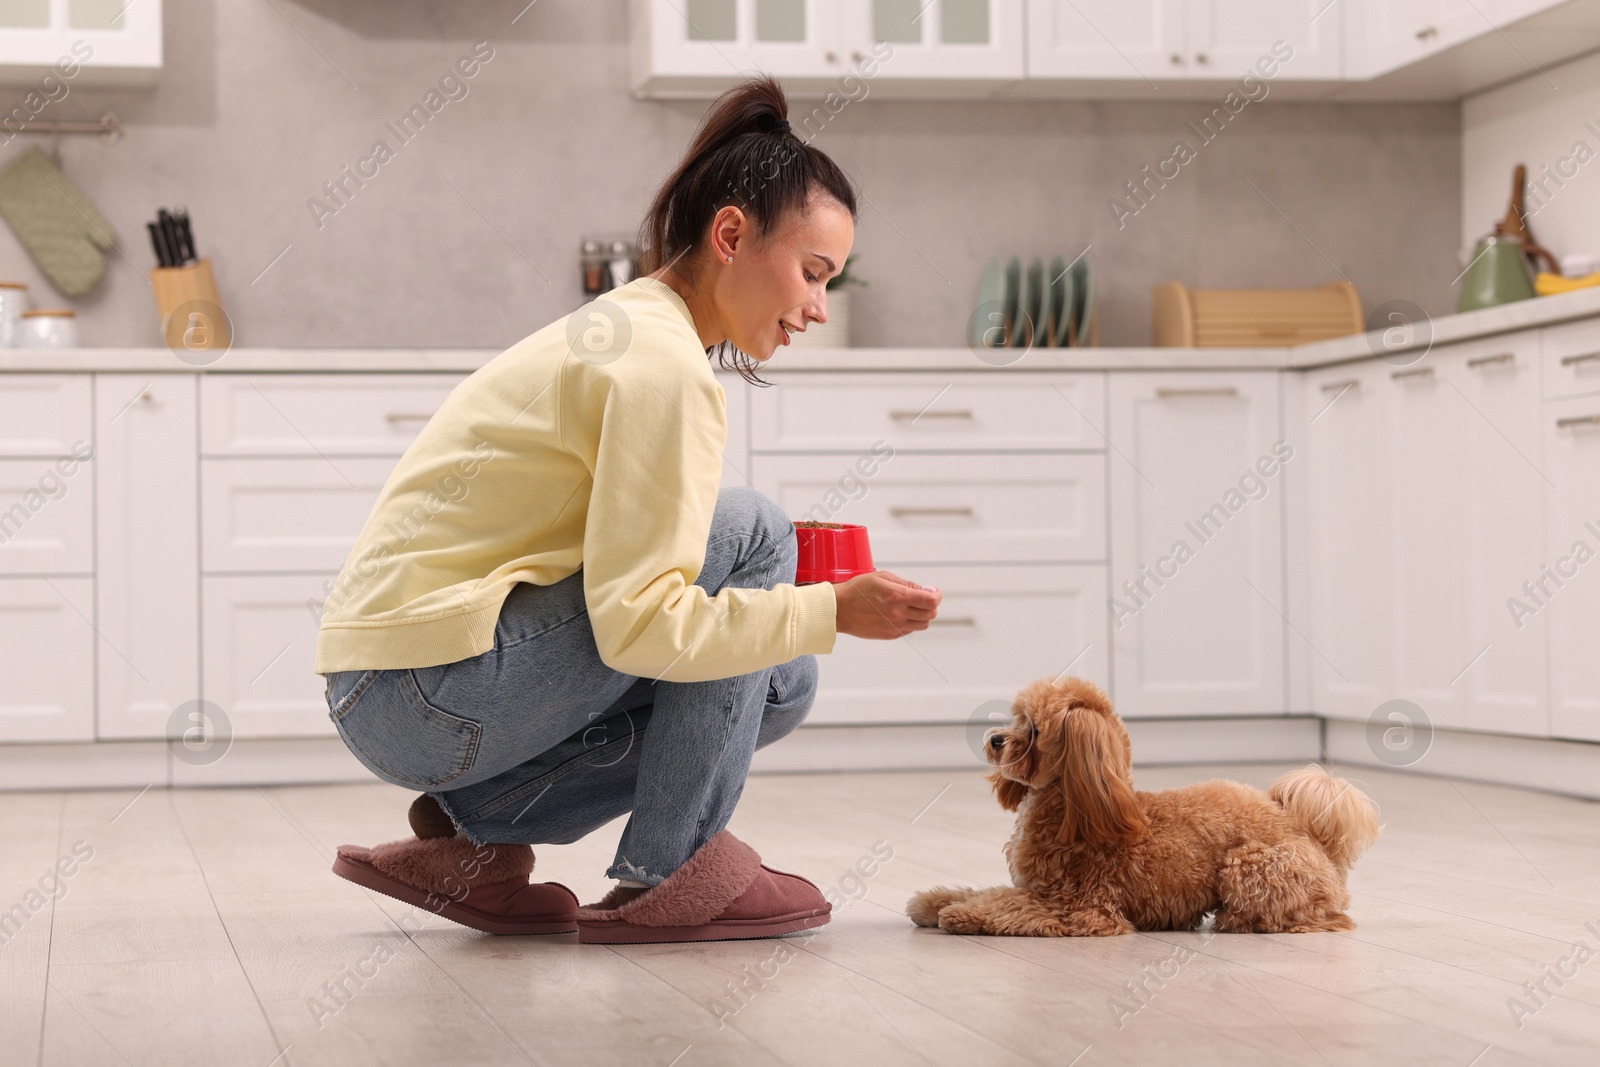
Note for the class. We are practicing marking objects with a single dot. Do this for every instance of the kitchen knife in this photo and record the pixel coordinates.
(158, 242)
(186, 237)
(169, 231)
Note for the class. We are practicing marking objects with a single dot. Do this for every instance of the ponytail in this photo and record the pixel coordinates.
(746, 154)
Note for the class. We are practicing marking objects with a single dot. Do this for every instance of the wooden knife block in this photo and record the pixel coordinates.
(191, 314)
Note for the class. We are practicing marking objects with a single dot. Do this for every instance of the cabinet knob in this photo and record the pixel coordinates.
(1177, 60)
(147, 397)
(830, 57)
(856, 56)
(1427, 33)
(1202, 58)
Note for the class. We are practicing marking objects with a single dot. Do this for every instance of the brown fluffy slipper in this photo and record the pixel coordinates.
(723, 893)
(482, 886)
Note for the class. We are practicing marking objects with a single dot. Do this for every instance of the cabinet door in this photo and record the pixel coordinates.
(1500, 446)
(999, 628)
(1349, 471)
(1137, 39)
(1226, 38)
(1197, 544)
(1396, 33)
(146, 551)
(46, 515)
(47, 659)
(1569, 593)
(1426, 555)
(945, 39)
(260, 645)
(723, 39)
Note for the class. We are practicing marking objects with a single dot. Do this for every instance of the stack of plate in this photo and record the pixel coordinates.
(1034, 306)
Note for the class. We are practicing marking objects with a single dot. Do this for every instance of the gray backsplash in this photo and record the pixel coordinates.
(468, 236)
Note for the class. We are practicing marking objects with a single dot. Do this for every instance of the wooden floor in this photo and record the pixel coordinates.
(206, 928)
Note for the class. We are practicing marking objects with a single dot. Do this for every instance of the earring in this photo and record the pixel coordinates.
(730, 259)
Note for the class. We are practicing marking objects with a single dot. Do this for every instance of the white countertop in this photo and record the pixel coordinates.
(1541, 311)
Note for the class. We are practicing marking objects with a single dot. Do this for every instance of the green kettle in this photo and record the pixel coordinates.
(1498, 274)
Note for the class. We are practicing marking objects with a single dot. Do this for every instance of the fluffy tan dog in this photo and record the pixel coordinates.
(1093, 856)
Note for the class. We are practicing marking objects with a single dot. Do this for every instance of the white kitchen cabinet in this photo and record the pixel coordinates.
(1394, 33)
(260, 646)
(1571, 359)
(47, 654)
(1569, 592)
(951, 508)
(1495, 384)
(47, 515)
(1425, 501)
(146, 551)
(1140, 39)
(317, 414)
(81, 42)
(949, 40)
(1197, 492)
(1347, 464)
(45, 415)
(999, 628)
(1226, 38)
(810, 412)
(703, 42)
(1152, 40)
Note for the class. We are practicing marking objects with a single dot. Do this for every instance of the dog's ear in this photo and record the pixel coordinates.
(1009, 793)
(1096, 780)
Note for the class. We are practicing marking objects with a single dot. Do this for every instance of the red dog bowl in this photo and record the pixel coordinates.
(831, 552)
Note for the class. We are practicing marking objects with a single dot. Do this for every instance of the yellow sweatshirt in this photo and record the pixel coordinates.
(597, 441)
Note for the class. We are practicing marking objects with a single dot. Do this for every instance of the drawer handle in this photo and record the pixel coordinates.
(1414, 372)
(1578, 420)
(902, 512)
(1489, 361)
(1427, 33)
(958, 620)
(1339, 387)
(1169, 394)
(909, 416)
(1567, 361)
(407, 416)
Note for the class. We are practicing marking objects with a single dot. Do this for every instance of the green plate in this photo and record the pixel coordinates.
(1061, 291)
(987, 327)
(1083, 300)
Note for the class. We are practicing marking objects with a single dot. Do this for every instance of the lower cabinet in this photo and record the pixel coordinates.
(47, 653)
(999, 628)
(1567, 588)
(1196, 605)
(258, 647)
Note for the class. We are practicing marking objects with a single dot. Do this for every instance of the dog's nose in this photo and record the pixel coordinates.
(996, 742)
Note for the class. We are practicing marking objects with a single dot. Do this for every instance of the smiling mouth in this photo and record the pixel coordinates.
(788, 331)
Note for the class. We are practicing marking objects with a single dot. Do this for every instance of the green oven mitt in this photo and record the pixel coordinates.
(63, 232)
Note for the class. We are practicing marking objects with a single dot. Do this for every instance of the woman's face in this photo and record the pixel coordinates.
(779, 280)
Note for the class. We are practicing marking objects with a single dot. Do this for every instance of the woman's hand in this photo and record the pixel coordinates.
(883, 606)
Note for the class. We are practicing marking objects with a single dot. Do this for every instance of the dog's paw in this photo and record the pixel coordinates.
(961, 919)
(924, 907)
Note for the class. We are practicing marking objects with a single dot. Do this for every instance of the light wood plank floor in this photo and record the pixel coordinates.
(206, 928)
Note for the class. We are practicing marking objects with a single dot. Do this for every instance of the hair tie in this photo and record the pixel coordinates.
(780, 127)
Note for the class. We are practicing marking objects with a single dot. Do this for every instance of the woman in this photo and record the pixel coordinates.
(553, 617)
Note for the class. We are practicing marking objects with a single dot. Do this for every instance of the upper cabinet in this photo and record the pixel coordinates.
(689, 48)
(84, 42)
(1177, 49)
(1209, 40)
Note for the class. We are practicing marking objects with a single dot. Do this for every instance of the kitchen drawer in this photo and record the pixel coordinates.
(47, 659)
(1571, 359)
(260, 636)
(285, 514)
(1565, 592)
(46, 516)
(317, 414)
(967, 411)
(44, 414)
(951, 509)
(999, 627)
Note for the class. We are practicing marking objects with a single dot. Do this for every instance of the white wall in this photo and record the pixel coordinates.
(1540, 122)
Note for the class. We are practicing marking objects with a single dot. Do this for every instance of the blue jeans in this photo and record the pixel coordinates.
(537, 741)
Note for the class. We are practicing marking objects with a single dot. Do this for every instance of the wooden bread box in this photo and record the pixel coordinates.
(1253, 318)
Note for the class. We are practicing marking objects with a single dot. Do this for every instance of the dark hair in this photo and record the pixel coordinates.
(745, 154)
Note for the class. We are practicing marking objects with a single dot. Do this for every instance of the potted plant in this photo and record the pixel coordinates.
(835, 333)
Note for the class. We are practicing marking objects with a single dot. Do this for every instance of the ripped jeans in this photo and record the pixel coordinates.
(537, 741)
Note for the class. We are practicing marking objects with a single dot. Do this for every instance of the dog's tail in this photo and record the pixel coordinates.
(1338, 816)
